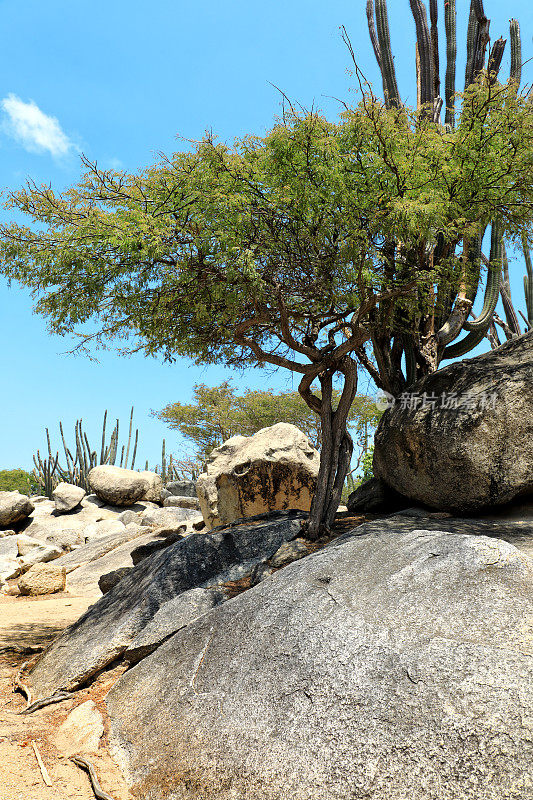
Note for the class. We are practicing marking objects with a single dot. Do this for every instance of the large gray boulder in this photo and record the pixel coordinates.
(109, 626)
(123, 487)
(391, 666)
(14, 507)
(473, 456)
(181, 488)
(274, 469)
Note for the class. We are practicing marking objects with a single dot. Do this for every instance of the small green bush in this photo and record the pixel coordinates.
(12, 480)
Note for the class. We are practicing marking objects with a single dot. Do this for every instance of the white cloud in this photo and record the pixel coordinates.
(35, 130)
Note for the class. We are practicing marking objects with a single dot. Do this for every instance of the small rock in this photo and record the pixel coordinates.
(25, 544)
(181, 488)
(6, 533)
(181, 502)
(93, 499)
(129, 516)
(9, 569)
(289, 552)
(67, 497)
(154, 486)
(14, 506)
(41, 554)
(66, 539)
(43, 579)
(81, 731)
(110, 580)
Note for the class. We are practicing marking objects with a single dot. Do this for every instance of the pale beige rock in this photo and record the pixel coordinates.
(41, 554)
(275, 469)
(67, 497)
(14, 507)
(121, 487)
(97, 529)
(181, 502)
(154, 488)
(81, 731)
(43, 579)
(9, 568)
(25, 544)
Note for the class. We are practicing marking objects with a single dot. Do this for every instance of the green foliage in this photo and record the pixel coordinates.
(204, 253)
(367, 469)
(17, 480)
(217, 413)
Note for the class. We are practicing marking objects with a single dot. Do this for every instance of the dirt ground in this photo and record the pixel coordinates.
(27, 625)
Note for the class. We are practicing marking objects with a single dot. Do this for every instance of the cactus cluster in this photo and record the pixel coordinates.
(49, 472)
(448, 316)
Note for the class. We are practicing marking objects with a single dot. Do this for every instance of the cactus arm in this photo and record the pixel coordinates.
(434, 16)
(163, 462)
(370, 15)
(463, 347)
(528, 283)
(135, 448)
(425, 51)
(516, 51)
(470, 45)
(103, 451)
(390, 86)
(482, 37)
(129, 438)
(495, 59)
(450, 23)
(492, 290)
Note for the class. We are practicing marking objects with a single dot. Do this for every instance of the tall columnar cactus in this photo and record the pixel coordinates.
(77, 466)
(390, 85)
(450, 24)
(45, 470)
(419, 342)
(425, 53)
(516, 51)
(528, 285)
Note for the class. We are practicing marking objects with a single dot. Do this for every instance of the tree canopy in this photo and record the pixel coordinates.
(220, 412)
(274, 250)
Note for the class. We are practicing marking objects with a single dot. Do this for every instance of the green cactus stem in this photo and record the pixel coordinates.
(425, 53)
(482, 38)
(470, 46)
(492, 290)
(528, 284)
(434, 17)
(495, 59)
(370, 15)
(450, 24)
(516, 51)
(390, 85)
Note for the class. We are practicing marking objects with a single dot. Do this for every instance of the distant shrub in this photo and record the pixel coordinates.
(12, 480)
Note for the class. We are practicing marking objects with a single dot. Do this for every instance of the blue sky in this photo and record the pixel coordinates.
(119, 81)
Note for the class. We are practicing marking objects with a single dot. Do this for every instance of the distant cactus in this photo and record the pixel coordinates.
(49, 473)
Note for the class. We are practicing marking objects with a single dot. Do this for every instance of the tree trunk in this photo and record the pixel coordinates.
(336, 452)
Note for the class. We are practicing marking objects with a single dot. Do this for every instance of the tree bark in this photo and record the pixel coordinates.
(337, 448)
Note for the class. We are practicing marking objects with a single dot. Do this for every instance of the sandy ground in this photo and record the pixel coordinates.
(27, 625)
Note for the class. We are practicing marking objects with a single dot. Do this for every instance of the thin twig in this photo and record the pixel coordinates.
(44, 772)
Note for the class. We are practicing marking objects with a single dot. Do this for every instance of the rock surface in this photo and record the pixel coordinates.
(181, 502)
(169, 518)
(123, 487)
(109, 626)
(67, 497)
(181, 488)
(14, 507)
(467, 458)
(274, 469)
(388, 666)
(81, 731)
(42, 579)
(374, 495)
